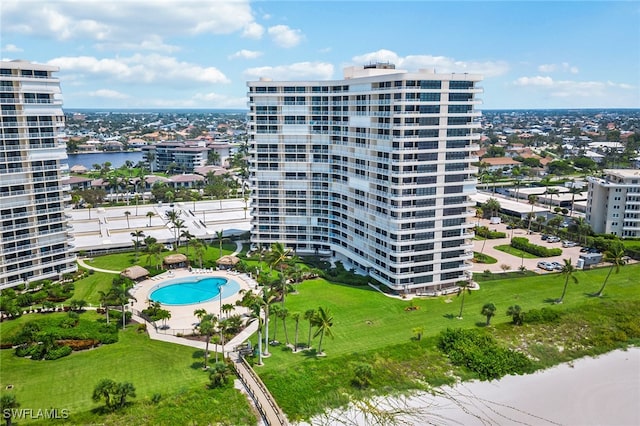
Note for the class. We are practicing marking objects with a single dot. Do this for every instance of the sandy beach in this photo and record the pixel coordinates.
(590, 391)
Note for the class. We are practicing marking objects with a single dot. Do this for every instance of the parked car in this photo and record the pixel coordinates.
(544, 237)
(568, 244)
(553, 239)
(585, 249)
(556, 266)
(547, 266)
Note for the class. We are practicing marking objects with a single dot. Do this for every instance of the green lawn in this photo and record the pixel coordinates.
(372, 327)
(89, 287)
(506, 248)
(121, 261)
(368, 326)
(483, 258)
(151, 366)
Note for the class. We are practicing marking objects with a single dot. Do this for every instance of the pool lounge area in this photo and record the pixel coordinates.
(182, 291)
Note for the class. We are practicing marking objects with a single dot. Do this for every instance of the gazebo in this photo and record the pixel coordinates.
(227, 262)
(174, 261)
(135, 273)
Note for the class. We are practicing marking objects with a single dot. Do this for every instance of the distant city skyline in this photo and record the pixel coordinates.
(199, 54)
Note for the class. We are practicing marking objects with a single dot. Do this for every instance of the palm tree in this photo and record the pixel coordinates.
(533, 199)
(615, 256)
(136, 242)
(309, 315)
(516, 314)
(198, 248)
(275, 312)
(551, 192)
(256, 316)
(150, 215)
(127, 214)
(188, 236)
(567, 272)
(296, 317)
(323, 321)
(227, 308)
(89, 205)
(105, 300)
(488, 310)
(220, 237)
(283, 314)
(266, 300)
(178, 224)
(493, 206)
(574, 190)
(464, 286)
(206, 327)
(277, 258)
(8, 402)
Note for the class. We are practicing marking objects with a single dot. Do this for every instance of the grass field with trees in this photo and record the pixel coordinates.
(372, 344)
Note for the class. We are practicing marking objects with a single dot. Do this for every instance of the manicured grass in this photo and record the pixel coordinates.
(121, 261)
(89, 287)
(151, 366)
(372, 327)
(483, 258)
(506, 248)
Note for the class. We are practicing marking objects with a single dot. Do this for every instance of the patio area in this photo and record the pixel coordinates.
(182, 318)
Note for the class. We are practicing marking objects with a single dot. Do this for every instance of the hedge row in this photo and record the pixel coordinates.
(523, 244)
(484, 232)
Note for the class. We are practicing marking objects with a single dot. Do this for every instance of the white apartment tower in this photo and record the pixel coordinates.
(34, 235)
(613, 203)
(374, 170)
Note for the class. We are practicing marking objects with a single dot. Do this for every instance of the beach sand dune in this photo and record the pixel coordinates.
(590, 391)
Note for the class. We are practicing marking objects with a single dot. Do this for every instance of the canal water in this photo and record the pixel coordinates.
(117, 159)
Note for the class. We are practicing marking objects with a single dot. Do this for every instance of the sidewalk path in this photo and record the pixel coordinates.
(82, 263)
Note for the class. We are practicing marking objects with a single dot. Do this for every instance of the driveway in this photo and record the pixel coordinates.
(514, 262)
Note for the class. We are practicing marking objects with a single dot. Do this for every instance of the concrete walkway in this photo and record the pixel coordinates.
(83, 263)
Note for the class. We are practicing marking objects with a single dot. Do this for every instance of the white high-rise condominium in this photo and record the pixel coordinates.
(613, 203)
(374, 170)
(34, 236)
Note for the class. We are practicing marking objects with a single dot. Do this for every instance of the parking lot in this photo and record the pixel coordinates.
(514, 262)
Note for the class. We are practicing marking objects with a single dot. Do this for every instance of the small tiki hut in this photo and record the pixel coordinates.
(135, 273)
(227, 262)
(175, 261)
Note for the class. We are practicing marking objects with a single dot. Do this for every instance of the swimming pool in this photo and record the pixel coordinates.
(190, 290)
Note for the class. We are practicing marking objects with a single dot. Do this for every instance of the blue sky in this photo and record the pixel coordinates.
(200, 53)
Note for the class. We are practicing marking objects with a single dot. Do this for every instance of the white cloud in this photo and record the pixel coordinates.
(11, 48)
(297, 71)
(563, 67)
(216, 100)
(141, 69)
(245, 54)
(591, 90)
(124, 25)
(441, 64)
(108, 94)
(284, 36)
(253, 30)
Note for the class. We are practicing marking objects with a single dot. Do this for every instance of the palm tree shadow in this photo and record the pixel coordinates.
(551, 300)
(310, 353)
(449, 316)
(481, 324)
(197, 365)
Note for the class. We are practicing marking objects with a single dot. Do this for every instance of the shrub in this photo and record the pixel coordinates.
(484, 232)
(541, 316)
(480, 353)
(523, 244)
(58, 352)
(79, 345)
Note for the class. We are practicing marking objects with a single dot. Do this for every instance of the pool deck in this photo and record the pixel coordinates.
(182, 318)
